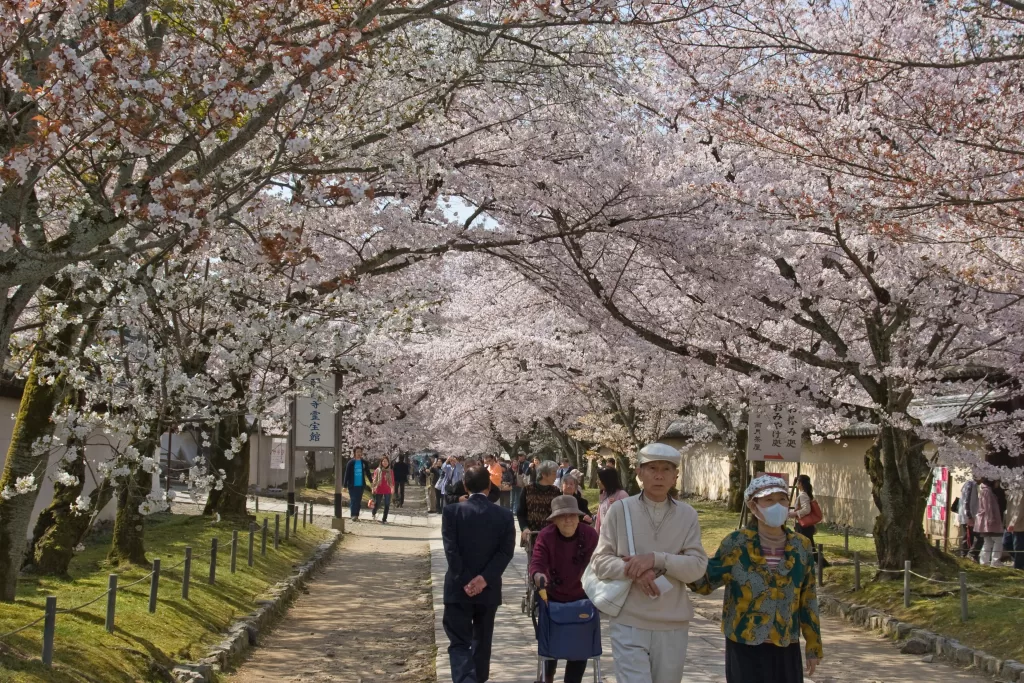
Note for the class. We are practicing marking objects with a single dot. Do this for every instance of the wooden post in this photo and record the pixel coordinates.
(186, 575)
(111, 602)
(821, 564)
(277, 530)
(906, 583)
(856, 570)
(252, 541)
(263, 540)
(287, 524)
(213, 561)
(234, 550)
(154, 585)
(49, 626)
(846, 537)
(963, 597)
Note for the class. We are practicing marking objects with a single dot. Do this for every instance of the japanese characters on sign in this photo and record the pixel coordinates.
(774, 433)
(314, 419)
(278, 453)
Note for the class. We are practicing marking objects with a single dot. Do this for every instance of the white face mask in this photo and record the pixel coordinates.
(774, 515)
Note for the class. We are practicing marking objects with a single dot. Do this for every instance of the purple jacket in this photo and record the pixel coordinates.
(563, 560)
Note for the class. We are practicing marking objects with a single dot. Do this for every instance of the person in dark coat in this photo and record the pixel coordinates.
(401, 469)
(479, 540)
(571, 487)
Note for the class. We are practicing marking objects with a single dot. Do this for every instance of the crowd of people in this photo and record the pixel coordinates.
(646, 548)
(991, 523)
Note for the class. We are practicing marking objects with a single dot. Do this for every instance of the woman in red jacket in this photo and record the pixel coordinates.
(560, 554)
(383, 487)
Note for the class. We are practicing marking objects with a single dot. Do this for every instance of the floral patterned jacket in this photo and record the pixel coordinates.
(763, 605)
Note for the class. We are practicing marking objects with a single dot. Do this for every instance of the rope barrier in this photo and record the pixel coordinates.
(85, 604)
(22, 628)
(994, 595)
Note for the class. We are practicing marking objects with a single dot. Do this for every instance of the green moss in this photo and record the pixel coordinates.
(179, 630)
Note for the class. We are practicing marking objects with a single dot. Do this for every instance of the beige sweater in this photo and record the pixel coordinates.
(678, 553)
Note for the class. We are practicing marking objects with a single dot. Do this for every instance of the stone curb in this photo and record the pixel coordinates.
(244, 632)
(917, 640)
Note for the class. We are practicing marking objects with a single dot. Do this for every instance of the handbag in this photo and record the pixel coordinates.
(813, 517)
(609, 595)
(568, 630)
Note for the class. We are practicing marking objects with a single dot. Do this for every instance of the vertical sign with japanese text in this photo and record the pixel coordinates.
(938, 500)
(278, 452)
(774, 433)
(314, 419)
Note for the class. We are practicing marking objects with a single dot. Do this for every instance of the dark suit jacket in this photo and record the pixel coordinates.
(479, 539)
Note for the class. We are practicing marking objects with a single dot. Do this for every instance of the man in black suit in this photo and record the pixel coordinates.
(479, 539)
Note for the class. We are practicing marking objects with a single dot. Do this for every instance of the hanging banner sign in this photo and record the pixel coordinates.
(938, 500)
(278, 453)
(774, 433)
(314, 419)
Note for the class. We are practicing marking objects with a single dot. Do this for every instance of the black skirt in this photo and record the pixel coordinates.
(765, 663)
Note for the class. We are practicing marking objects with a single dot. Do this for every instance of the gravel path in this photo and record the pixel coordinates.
(366, 619)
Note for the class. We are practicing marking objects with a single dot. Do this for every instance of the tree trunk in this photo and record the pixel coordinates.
(32, 422)
(128, 544)
(899, 475)
(739, 472)
(59, 530)
(229, 501)
(310, 458)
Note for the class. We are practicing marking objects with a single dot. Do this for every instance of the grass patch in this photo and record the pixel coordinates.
(994, 626)
(179, 630)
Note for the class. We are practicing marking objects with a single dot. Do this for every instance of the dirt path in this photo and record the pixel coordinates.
(366, 619)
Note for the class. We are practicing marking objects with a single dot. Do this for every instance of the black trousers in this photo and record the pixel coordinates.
(574, 671)
(764, 663)
(470, 629)
(399, 493)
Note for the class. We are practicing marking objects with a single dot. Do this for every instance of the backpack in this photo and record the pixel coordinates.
(812, 518)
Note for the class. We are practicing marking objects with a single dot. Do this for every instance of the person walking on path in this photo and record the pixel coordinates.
(479, 541)
(356, 478)
(988, 524)
(536, 505)
(383, 488)
(649, 635)
(1015, 524)
(521, 468)
(565, 469)
(805, 524)
(433, 476)
(571, 487)
(610, 491)
(561, 553)
(966, 512)
(445, 481)
(770, 599)
(401, 470)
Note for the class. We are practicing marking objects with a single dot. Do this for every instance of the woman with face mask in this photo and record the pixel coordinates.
(768, 573)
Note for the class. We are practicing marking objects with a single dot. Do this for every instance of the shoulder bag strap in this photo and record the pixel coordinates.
(629, 526)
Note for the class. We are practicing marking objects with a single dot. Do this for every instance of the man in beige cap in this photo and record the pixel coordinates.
(649, 634)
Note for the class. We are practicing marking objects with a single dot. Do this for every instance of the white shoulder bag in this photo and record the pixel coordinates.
(609, 595)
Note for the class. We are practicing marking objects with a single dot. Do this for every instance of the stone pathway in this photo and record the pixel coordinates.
(368, 619)
(365, 619)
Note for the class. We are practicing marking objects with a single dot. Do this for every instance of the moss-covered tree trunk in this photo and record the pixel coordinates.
(32, 422)
(128, 544)
(60, 528)
(230, 499)
(899, 473)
